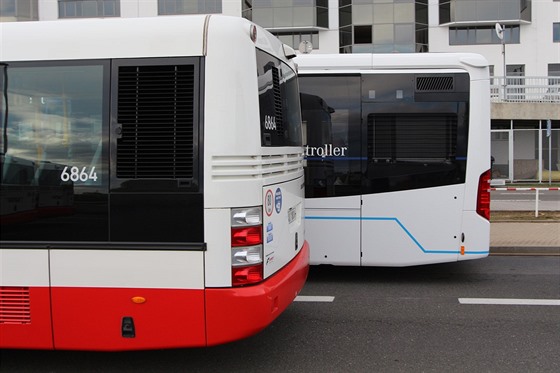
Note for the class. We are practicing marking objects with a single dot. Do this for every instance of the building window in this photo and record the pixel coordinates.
(556, 32)
(482, 35)
(294, 39)
(18, 10)
(169, 7)
(464, 11)
(372, 26)
(88, 8)
(287, 14)
(362, 35)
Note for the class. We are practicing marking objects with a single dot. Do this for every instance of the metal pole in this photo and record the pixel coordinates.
(549, 135)
(540, 151)
(504, 67)
(537, 203)
(549, 160)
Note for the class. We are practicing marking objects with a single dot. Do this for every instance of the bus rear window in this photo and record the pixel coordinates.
(54, 122)
(278, 102)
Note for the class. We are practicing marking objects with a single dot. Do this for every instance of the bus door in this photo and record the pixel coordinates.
(414, 171)
(331, 119)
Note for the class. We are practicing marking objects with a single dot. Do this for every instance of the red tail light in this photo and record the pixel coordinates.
(246, 236)
(246, 275)
(483, 197)
(246, 246)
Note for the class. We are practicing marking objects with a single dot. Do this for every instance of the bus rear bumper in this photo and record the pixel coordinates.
(235, 313)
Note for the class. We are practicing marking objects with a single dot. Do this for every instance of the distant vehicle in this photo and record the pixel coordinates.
(397, 158)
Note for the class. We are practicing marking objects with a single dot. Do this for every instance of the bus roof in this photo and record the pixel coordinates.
(96, 38)
(389, 61)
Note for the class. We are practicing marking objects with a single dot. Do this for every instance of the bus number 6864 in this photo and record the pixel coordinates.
(269, 122)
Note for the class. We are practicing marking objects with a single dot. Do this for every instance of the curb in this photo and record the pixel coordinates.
(531, 250)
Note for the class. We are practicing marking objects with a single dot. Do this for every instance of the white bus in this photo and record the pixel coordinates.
(152, 183)
(398, 158)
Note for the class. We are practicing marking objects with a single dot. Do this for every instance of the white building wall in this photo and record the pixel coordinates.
(231, 8)
(535, 50)
(48, 10)
(328, 39)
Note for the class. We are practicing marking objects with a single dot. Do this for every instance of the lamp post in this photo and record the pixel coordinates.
(500, 34)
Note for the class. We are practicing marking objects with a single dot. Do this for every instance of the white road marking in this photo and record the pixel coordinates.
(313, 298)
(514, 302)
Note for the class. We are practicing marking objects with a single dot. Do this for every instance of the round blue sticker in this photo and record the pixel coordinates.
(278, 200)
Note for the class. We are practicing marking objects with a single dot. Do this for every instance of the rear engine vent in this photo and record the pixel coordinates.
(434, 84)
(156, 119)
(15, 305)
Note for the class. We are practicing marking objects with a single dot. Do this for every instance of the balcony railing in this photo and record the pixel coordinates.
(539, 89)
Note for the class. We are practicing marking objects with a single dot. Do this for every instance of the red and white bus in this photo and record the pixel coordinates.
(398, 157)
(152, 183)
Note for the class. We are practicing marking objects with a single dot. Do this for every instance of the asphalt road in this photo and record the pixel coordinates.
(380, 320)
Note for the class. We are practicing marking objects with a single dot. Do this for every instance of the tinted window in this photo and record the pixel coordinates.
(384, 132)
(66, 148)
(54, 168)
(331, 119)
(417, 130)
(278, 102)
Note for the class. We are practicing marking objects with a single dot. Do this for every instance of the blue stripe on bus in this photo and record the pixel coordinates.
(396, 220)
(333, 158)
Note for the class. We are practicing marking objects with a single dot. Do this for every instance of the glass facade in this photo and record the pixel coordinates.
(371, 26)
(452, 11)
(525, 150)
(18, 10)
(294, 39)
(483, 35)
(287, 14)
(169, 7)
(88, 8)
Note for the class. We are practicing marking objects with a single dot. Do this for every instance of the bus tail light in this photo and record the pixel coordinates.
(483, 197)
(246, 246)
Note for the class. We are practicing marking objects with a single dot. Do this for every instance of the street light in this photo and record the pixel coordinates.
(500, 34)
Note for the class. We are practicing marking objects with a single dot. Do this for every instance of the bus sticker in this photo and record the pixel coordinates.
(76, 175)
(268, 202)
(278, 200)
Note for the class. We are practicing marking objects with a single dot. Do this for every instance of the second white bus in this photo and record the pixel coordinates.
(398, 158)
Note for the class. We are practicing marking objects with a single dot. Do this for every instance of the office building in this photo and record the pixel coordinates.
(519, 38)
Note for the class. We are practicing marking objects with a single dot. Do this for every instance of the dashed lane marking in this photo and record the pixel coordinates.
(313, 298)
(512, 302)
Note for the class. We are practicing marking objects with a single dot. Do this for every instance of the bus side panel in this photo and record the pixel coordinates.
(283, 223)
(412, 227)
(95, 293)
(477, 236)
(27, 323)
(334, 235)
(25, 309)
(98, 318)
(235, 313)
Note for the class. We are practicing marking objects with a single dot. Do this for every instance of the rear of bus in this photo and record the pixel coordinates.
(398, 157)
(253, 180)
(152, 183)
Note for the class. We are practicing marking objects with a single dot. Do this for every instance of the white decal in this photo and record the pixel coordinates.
(268, 202)
(269, 122)
(74, 174)
(327, 150)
